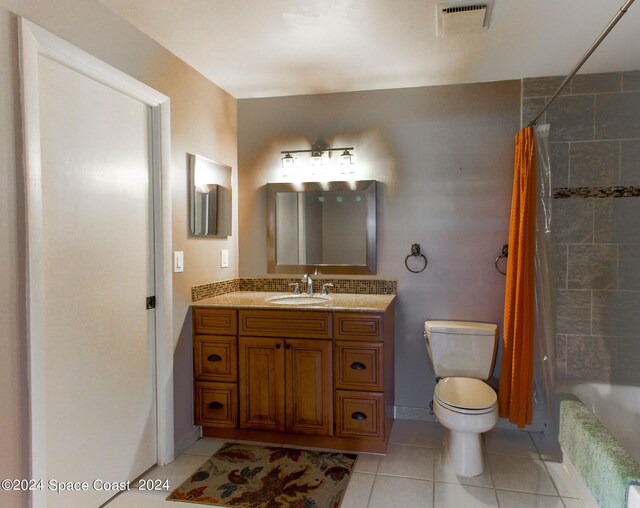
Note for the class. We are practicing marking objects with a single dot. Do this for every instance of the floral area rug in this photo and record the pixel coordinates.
(243, 475)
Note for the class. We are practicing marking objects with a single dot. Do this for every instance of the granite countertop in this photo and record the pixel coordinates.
(259, 300)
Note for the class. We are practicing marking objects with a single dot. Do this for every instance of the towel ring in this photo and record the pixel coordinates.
(504, 254)
(415, 252)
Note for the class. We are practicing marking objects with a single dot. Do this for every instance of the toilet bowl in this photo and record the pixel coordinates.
(462, 354)
(466, 407)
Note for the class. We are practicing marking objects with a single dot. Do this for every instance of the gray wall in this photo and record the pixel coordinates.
(203, 120)
(595, 144)
(444, 157)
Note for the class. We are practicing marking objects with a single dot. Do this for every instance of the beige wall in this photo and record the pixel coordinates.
(444, 158)
(203, 121)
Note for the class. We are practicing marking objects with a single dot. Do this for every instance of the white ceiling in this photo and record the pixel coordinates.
(263, 48)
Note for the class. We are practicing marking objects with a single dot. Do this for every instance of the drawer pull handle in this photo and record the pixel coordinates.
(358, 366)
(358, 415)
(215, 405)
(214, 358)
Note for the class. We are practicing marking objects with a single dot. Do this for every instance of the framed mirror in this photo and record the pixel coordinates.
(210, 198)
(330, 226)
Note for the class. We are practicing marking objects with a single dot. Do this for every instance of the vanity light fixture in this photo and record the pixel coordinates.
(319, 153)
(345, 157)
(316, 158)
(288, 161)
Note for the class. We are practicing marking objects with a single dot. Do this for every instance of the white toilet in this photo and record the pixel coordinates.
(462, 355)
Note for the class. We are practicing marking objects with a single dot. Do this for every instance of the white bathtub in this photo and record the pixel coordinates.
(618, 409)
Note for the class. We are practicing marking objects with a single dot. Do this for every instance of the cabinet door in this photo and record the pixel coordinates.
(309, 386)
(261, 362)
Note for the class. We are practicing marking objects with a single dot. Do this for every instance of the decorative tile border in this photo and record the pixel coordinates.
(350, 286)
(596, 192)
(210, 289)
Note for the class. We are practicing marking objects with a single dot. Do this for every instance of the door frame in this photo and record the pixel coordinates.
(35, 41)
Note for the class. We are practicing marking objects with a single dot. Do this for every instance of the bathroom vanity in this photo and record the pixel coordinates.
(315, 375)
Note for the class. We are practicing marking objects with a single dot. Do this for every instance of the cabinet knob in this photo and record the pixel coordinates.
(358, 416)
(278, 346)
(288, 346)
(215, 405)
(214, 358)
(358, 366)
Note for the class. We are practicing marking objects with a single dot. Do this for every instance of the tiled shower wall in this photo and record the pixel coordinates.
(595, 160)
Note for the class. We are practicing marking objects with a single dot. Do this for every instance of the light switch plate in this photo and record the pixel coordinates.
(178, 261)
(224, 258)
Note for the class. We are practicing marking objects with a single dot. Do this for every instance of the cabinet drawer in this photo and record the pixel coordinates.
(358, 326)
(359, 365)
(215, 358)
(215, 321)
(360, 415)
(267, 323)
(216, 404)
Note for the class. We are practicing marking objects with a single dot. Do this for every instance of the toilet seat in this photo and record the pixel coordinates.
(465, 395)
(465, 411)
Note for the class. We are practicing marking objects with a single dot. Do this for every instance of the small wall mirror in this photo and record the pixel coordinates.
(330, 226)
(210, 205)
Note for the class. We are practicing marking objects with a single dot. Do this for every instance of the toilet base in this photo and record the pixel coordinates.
(465, 452)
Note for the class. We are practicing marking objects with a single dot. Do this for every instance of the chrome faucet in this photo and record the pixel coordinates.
(296, 287)
(307, 278)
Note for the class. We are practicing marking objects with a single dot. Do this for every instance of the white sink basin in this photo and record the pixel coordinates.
(299, 299)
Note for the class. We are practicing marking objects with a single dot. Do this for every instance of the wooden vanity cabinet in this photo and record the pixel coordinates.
(302, 377)
(215, 367)
(286, 385)
(363, 374)
(309, 386)
(286, 377)
(262, 404)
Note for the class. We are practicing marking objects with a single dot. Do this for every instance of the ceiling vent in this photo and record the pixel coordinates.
(460, 18)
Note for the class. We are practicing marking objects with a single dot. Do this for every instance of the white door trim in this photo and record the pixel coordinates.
(35, 41)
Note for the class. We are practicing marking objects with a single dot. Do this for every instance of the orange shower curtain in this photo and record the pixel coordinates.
(516, 374)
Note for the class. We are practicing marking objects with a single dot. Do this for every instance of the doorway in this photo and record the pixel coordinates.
(98, 238)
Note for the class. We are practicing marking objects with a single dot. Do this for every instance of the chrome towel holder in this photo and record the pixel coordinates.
(504, 254)
(415, 252)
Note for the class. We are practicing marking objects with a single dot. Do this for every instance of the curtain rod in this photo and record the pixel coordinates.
(591, 49)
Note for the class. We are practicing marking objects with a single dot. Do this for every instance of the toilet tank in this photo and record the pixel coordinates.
(461, 348)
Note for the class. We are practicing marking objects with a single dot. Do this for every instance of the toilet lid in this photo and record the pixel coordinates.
(465, 393)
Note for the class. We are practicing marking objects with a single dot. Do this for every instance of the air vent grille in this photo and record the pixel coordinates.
(463, 18)
(464, 8)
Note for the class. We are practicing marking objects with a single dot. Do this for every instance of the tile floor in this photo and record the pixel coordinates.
(414, 473)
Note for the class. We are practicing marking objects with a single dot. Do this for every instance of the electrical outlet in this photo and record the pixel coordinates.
(224, 258)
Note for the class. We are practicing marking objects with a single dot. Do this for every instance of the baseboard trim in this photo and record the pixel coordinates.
(185, 442)
(424, 415)
(414, 413)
